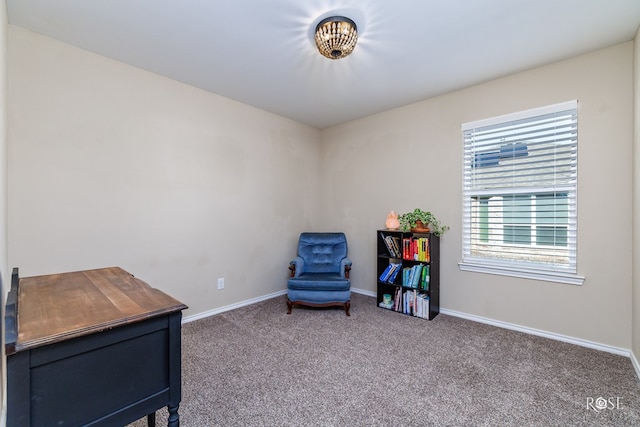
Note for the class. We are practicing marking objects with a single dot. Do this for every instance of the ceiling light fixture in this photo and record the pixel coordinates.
(336, 36)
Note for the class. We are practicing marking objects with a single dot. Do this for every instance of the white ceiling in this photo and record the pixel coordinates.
(262, 53)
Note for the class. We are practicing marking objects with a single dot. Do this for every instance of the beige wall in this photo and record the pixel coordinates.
(5, 274)
(113, 165)
(636, 206)
(412, 157)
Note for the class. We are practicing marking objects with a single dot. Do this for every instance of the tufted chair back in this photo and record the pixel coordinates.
(322, 252)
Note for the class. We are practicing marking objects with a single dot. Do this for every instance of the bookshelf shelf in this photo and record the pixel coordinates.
(408, 273)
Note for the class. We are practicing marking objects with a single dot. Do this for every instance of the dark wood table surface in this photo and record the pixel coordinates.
(63, 321)
(84, 302)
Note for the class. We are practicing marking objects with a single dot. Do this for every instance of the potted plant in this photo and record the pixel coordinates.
(421, 221)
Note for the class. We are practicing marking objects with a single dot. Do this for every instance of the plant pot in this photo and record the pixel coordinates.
(420, 227)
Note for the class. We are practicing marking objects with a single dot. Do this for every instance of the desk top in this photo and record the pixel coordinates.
(58, 307)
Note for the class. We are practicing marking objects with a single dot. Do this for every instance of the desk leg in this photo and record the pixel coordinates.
(151, 420)
(174, 418)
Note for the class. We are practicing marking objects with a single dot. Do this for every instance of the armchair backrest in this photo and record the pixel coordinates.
(322, 252)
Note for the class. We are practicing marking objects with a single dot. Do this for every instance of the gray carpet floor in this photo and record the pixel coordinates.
(258, 366)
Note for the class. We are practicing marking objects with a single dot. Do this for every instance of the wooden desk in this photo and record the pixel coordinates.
(96, 347)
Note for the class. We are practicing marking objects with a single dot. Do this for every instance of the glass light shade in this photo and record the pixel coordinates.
(336, 37)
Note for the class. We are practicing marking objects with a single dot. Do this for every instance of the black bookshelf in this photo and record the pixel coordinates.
(409, 251)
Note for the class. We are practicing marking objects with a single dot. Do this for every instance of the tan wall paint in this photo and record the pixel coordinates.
(636, 204)
(5, 274)
(113, 165)
(412, 157)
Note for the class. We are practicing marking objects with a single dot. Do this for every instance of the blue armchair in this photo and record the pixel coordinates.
(320, 272)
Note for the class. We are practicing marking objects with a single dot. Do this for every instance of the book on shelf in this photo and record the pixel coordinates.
(394, 273)
(385, 273)
(393, 245)
(417, 273)
(422, 306)
(416, 249)
(389, 274)
(410, 276)
(406, 248)
(406, 271)
(415, 304)
(426, 276)
(416, 277)
(410, 302)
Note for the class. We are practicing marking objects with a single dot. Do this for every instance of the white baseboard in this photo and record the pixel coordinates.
(500, 324)
(229, 307)
(219, 310)
(559, 337)
(541, 333)
(363, 292)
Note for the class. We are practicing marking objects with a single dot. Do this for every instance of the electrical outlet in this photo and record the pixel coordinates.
(221, 283)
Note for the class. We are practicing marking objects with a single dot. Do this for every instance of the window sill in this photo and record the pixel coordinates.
(547, 276)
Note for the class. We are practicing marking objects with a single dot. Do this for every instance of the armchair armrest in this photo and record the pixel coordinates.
(296, 266)
(345, 267)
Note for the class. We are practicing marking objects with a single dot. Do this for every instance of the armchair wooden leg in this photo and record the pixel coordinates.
(347, 306)
(289, 306)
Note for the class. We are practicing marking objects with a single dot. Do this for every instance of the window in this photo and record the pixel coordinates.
(519, 208)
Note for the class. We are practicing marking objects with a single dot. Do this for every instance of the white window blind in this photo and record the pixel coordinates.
(520, 181)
